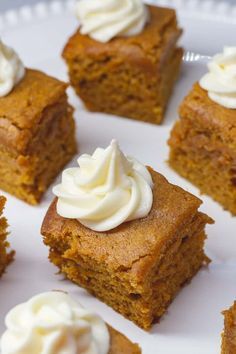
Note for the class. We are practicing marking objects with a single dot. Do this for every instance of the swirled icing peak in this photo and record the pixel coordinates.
(103, 20)
(11, 69)
(220, 81)
(53, 323)
(106, 190)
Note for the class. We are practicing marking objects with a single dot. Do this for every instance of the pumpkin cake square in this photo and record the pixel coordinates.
(139, 266)
(37, 135)
(130, 76)
(229, 334)
(203, 147)
(5, 256)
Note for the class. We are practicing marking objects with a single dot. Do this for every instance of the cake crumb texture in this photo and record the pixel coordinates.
(5, 256)
(203, 147)
(37, 135)
(229, 334)
(162, 252)
(131, 77)
(119, 344)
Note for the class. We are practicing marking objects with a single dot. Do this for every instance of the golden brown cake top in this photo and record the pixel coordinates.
(36, 91)
(24, 108)
(155, 42)
(172, 210)
(199, 107)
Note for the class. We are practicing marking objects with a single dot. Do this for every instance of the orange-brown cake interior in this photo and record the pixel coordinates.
(131, 77)
(203, 147)
(162, 252)
(37, 135)
(5, 256)
(229, 334)
(119, 344)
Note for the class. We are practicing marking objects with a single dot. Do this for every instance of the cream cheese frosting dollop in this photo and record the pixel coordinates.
(220, 82)
(53, 323)
(11, 69)
(106, 190)
(103, 20)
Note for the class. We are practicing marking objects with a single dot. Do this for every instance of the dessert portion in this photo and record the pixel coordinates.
(229, 334)
(53, 322)
(37, 130)
(124, 233)
(203, 141)
(123, 58)
(5, 256)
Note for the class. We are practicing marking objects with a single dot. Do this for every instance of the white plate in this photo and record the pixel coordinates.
(194, 322)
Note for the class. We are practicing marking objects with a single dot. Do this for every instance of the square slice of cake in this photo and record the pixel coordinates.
(229, 334)
(138, 267)
(128, 76)
(203, 147)
(37, 135)
(5, 256)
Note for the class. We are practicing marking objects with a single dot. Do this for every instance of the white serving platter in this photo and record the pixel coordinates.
(194, 322)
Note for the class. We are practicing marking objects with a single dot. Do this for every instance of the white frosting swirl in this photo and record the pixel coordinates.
(106, 190)
(220, 82)
(53, 323)
(103, 20)
(11, 69)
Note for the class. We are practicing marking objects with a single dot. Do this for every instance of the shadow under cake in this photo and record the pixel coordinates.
(131, 77)
(138, 267)
(229, 334)
(203, 147)
(37, 135)
(5, 256)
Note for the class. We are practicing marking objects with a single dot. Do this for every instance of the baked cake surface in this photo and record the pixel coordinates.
(229, 334)
(37, 135)
(131, 77)
(5, 256)
(203, 147)
(138, 267)
(119, 344)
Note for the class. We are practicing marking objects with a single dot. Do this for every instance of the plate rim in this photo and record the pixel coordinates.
(206, 9)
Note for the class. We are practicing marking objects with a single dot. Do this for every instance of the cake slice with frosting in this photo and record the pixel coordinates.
(203, 141)
(37, 130)
(124, 58)
(123, 232)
